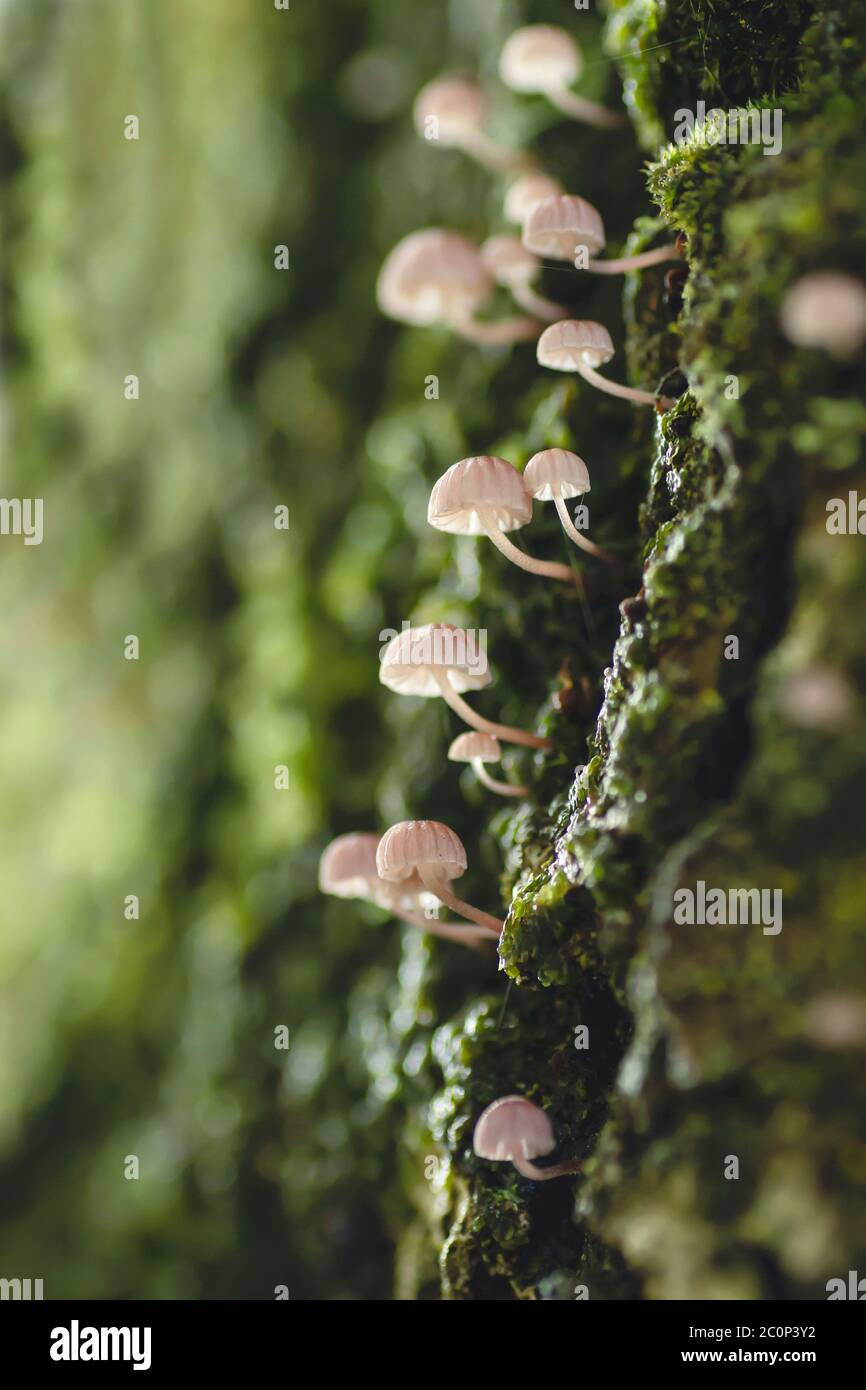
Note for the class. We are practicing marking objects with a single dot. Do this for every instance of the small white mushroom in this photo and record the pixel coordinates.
(433, 852)
(435, 276)
(451, 112)
(438, 659)
(553, 475)
(347, 869)
(563, 225)
(579, 345)
(544, 58)
(512, 266)
(513, 1130)
(826, 309)
(485, 495)
(477, 749)
(524, 193)
(836, 1020)
(817, 697)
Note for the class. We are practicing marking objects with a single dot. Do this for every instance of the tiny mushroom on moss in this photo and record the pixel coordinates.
(513, 1130)
(579, 345)
(568, 228)
(477, 749)
(544, 58)
(439, 659)
(826, 309)
(525, 192)
(451, 112)
(347, 869)
(485, 495)
(553, 475)
(433, 852)
(438, 277)
(513, 266)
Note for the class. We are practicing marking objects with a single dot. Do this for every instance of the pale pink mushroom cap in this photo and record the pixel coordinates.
(556, 473)
(414, 844)
(825, 309)
(411, 659)
(816, 697)
(508, 261)
(539, 58)
(433, 276)
(457, 104)
(347, 869)
(478, 748)
(525, 193)
(483, 484)
(466, 748)
(836, 1020)
(513, 1127)
(564, 346)
(558, 225)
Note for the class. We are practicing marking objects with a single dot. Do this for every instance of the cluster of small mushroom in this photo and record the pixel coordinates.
(485, 495)
(407, 871)
(436, 276)
(410, 869)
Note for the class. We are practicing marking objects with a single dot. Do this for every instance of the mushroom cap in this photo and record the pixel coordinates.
(566, 345)
(433, 276)
(816, 697)
(539, 58)
(466, 748)
(556, 473)
(458, 105)
(508, 261)
(825, 309)
(513, 1126)
(836, 1020)
(413, 844)
(347, 869)
(559, 224)
(525, 193)
(481, 484)
(409, 659)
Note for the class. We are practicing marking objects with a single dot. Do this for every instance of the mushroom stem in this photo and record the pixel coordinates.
(501, 333)
(494, 785)
(435, 883)
(639, 262)
(529, 1170)
(575, 535)
(473, 937)
(491, 155)
(536, 304)
(626, 393)
(581, 109)
(485, 726)
(550, 568)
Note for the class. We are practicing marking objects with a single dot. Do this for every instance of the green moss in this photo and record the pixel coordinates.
(720, 1041)
(687, 772)
(509, 1231)
(673, 52)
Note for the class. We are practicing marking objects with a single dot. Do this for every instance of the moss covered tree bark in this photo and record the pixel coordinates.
(718, 1103)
